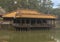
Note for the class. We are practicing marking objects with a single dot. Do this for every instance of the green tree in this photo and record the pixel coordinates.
(9, 4)
(46, 6)
(29, 4)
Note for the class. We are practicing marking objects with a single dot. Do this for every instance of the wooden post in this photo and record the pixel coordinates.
(20, 21)
(29, 25)
(36, 22)
(42, 23)
(30, 21)
(20, 24)
(25, 21)
(51, 23)
(54, 23)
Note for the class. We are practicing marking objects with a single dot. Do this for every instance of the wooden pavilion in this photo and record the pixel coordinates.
(25, 18)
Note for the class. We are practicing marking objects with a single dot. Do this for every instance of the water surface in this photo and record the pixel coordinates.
(28, 36)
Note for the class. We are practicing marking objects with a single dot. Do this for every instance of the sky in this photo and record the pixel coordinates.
(56, 2)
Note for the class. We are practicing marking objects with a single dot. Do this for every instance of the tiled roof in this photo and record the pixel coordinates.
(28, 14)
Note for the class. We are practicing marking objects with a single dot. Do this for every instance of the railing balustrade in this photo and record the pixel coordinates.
(32, 25)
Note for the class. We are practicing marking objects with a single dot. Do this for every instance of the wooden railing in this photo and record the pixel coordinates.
(32, 25)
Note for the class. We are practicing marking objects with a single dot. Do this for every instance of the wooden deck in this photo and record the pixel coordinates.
(33, 25)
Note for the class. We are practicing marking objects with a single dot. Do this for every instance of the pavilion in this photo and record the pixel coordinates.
(25, 18)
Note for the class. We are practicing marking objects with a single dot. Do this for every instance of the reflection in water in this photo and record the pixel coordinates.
(41, 34)
(55, 39)
(46, 35)
(52, 37)
(57, 34)
(54, 34)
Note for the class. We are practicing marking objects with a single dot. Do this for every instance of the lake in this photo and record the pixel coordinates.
(57, 34)
(29, 36)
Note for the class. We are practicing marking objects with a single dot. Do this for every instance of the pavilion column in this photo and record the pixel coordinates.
(53, 23)
(20, 21)
(41, 22)
(50, 22)
(25, 21)
(30, 21)
(35, 21)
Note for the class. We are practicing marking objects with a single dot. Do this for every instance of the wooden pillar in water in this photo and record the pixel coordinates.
(20, 24)
(28, 25)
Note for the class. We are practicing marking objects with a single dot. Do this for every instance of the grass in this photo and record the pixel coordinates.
(29, 36)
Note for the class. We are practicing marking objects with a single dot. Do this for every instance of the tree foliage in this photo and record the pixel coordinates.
(29, 4)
